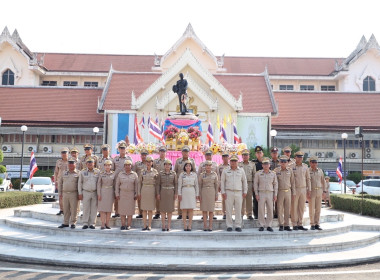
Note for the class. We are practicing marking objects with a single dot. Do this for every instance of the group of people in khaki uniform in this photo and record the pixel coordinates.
(258, 189)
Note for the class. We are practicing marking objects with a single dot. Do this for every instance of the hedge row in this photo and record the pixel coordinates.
(369, 196)
(17, 198)
(351, 203)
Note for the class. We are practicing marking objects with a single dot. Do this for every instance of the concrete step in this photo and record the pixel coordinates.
(50, 215)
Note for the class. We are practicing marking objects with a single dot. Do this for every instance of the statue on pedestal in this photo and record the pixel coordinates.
(180, 89)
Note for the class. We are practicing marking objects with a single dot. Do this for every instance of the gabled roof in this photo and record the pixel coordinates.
(16, 42)
(47, 106)
(327, 111)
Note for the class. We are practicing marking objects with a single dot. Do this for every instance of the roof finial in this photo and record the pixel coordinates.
(189, 32)
(5, 32)
(16, 36)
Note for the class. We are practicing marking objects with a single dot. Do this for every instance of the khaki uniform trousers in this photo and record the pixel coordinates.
(298, 207)
(266, 201)
(90, 207)
(234, 200)
(70, 207)
(248, 201)
(283, 207)
(315, 204)
(223, 206)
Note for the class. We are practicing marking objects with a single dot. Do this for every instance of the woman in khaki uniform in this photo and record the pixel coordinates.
(147, 192)
(188, 193)
(327, 199)
(208, 192)
(126, 193)
(106, 194)
(166, 190)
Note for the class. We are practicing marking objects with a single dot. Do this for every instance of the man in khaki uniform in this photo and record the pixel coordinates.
(68, 193)
(105, 156)
(221, 167)
(74, 152)
(118, 165)
(234, 190)
(88, 148)
(318, 190)
(60, 166)
(87, 189)
(178, 168)
(139, 167)
(327, 188)
(286, 189)
(250, 170)
(302, 184)
(288, 152)
(158, 164)
(274, 163)
(266, 188)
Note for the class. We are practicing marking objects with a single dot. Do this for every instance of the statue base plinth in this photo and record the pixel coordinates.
(179, 116)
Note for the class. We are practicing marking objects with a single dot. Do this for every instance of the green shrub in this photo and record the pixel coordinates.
(353, 204)
(44, 173)
(17, 198)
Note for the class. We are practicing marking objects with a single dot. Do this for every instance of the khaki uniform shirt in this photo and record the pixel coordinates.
(88, 180)
(233, 180)
(68, 182)
(105, 180)
(317, 179)
(126, 182)
(202, 168)
(301, 176)
(274, 164)
(139, 167)
(167, 180)
(101, 161)
(285, 179)
(82, 162)
(158, 164)
(180, 163)
(208, 180)
(265, 182)
(60, 167)
(249, 169)
(118, 163)
(291, 162)
(188, 179)
(221, 167)
(147, 178)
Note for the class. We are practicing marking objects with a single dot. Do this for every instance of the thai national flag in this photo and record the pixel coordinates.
(339, 171)
(137, 137)
(223, 135)
(149, 120)
(155, 130)
(236, 136)
(142, 122)
(210, 134)
(33, 165)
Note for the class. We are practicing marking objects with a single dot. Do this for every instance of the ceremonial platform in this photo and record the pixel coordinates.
(30, 234)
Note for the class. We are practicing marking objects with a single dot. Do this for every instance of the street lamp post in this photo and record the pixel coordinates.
(344, 137)
(273, 134)
(95, 130)
(24, 128)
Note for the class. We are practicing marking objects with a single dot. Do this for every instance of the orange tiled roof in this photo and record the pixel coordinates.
(50, 106)
(317, 110)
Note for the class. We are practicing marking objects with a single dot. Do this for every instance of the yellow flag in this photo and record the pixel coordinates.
(218, 122)
(229, 118)
(224, 121)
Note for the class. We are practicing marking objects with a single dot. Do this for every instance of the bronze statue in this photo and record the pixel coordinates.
(180, 89)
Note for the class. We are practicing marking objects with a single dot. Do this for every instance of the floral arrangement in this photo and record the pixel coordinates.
(151, 148)
(194, 132)
(131, 149)
(171, 132)
(204, 148)
(241, 147)
(140, 146)
(214, 148)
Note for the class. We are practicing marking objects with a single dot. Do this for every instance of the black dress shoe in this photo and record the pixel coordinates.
(224, 217)
(214, 218)
(189, 229)
(295, 228)
(116, 216)
(270, 229)
(312, 228)
(139, 217)
(179, 217)
(91, 227)
(157, 216)
(287, 228)
(275, 217)
(238, 229)
(107, 227)
(163, 229)
(229, 229)
(261, 229)
(127, 227)
(102, 228)
(209, 229)
(72, 226)
(256, 217)
(205, 229)
(85, 227)
(98, 215)
(145, 228)
(302, 228)
(168, 229)
(318, 227)
(281, 228)
(122, 228)
(250, 218)
(63, 226)
(60, 213)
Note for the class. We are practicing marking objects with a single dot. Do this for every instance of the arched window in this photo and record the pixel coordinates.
(369, 84)
(8, 78)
